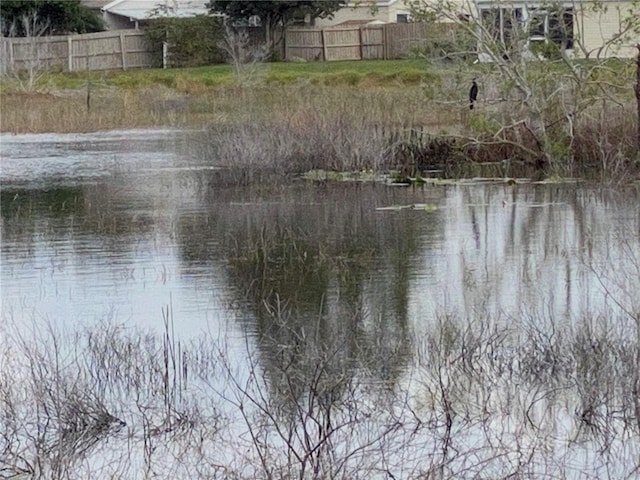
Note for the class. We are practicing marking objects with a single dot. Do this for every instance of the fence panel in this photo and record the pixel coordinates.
(46, 53)
(342, 43)
(402, 38)
(101, 53)
(373, 42)
(119, 49)
(137, 53)
(304, 44)
(370, 42)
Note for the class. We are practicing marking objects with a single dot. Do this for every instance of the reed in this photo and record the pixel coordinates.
(478, 396)
(153, 106)
(335, 116)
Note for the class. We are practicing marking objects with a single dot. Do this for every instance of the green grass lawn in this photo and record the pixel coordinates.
(365, 73)
(372, 72)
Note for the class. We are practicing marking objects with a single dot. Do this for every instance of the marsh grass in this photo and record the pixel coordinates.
(188, 106)
(206, 95)
(335, 116)
(488, 397)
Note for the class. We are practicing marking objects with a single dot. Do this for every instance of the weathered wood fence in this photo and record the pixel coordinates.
(124, 49)
(118, 49)
(370, 42)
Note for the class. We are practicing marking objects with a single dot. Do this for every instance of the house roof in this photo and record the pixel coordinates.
(97, 4)
(369, 3)
(145, 9)
(356, 23)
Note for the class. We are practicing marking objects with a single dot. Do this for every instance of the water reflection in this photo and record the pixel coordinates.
(162, 225)
(337, 294)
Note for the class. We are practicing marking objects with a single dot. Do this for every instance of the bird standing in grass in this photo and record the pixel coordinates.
(473, 93)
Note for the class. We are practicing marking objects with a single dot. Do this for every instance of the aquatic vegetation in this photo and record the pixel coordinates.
(479, 396)
(157, 323)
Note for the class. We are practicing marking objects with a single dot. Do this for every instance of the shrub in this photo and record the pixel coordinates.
(192, 41)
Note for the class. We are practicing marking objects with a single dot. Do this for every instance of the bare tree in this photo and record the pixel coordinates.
(246, 56)
(33, 66)
(539, 96)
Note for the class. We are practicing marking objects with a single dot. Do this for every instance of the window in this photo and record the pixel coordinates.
(511, 22)
(402, 18)
(537, 24)
(561, 28)
(501, 23)
(491, 22)
(552, 25)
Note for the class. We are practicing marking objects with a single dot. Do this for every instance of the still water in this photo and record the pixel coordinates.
(122, 223)
(119, 226)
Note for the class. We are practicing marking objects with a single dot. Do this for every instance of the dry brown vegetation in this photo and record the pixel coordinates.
(288, 119)
(111, 108)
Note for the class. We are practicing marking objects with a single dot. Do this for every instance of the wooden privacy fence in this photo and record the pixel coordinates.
(123, 49)
(119, 49)
(370, 42)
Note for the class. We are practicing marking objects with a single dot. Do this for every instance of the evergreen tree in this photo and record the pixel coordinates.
(55, 16)
(275, 12)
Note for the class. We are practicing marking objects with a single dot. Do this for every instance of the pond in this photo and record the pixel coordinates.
(469, 329)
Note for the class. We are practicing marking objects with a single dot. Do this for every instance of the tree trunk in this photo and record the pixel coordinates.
(637, 89)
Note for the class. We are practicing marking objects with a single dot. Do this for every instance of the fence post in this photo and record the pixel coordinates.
(4, 42)
(123, 52)
(360, 43)
(165, 54)
(10, 58)
(12, 54)
(324, 45)
(69, 53)
(385, 42)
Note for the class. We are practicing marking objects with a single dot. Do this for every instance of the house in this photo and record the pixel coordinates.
(94, 4)
(121, 14)
(584, 28)
(368, 11)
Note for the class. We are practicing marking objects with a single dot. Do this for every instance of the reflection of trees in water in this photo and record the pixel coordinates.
(95, 219)
(332, 269)
(511, 249)
(324, 276)
(27, 212)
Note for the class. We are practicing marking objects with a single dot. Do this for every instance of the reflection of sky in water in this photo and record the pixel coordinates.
(149, 228)
(486, 248)
(48, 159)
(77, 284)
(529, 252)
(60, 273)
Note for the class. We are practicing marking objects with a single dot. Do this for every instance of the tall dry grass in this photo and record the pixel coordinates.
(291, 128)
(185, 105)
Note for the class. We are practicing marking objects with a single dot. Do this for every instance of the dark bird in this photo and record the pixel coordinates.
(473, 93)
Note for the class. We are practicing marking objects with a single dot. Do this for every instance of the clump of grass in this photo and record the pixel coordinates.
(285, 78)
(411, 76)
(606, 144)
(350, 78)
(298, 143)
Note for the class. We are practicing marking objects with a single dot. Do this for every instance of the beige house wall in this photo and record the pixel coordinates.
(597, 24)
(379, 11)
(595, 28)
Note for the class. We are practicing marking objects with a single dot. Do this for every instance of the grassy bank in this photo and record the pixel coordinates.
(194, 80)
(195, 97)
(406, 115)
